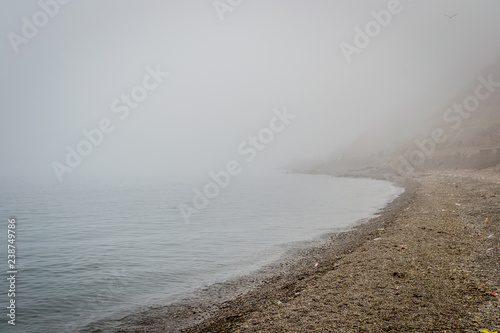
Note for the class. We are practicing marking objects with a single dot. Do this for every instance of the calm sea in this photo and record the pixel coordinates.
(86, 251)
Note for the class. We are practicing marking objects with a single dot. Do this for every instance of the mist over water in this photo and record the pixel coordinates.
(227, 70)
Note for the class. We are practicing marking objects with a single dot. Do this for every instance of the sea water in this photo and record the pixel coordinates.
(87, 251)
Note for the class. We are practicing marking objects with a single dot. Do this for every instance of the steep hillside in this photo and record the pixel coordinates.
(463, 132)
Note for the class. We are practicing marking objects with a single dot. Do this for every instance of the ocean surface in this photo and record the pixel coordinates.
(86, 251)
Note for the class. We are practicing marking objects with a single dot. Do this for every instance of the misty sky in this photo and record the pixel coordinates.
(225, 78)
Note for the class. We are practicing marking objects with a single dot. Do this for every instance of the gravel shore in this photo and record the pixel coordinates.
(428, 262)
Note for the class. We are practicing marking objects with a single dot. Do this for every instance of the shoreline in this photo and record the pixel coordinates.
(216, 301)
(297, 270)
(423, 264)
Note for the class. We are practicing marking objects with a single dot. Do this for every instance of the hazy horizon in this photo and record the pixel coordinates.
(225, 78)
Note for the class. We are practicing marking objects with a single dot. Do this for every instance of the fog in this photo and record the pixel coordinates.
(232, 65)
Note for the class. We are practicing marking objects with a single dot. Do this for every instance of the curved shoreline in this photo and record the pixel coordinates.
(230, 298)
(434, 267)
(429, 262)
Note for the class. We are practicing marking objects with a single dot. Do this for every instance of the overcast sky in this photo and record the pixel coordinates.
(225, 77)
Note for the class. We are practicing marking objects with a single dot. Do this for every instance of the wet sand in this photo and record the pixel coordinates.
(424, 264)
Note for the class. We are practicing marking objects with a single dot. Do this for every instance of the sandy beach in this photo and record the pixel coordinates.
(428, 262)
